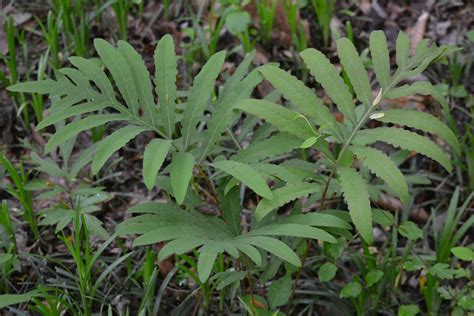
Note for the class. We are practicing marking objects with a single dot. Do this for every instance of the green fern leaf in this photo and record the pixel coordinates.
(282, 118)
(250, 251)
(112, 143)
(327, 75)
(246, 174)
(278, 171)
(275, 145)
(300, 96)
(284, 195)
(180, 246)
(165, 76)
(380, 57)
(355, 70)
(181, 171)
(207, 257)
(275, 246)
(94, 72)
(383, 167)
(153, 158)
(402, 50)
(355, 192)
(200, 92)
(424, 122)
(404, 139)
(294, 230)
(224, 115)
(62, 113)
(419, 87)
(317, 219)
(141, 80)
(74, 128)
(47, 86)
(120, 70)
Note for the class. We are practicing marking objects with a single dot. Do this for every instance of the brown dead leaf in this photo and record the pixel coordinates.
(365, 6)
(394, 205)
(417, 32)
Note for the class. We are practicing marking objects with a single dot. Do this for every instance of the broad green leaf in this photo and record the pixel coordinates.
(280, 117)
(354, 68)
(284, 195)
(384, 168)
(328, 76)
(141, 79)
(63, 113)
(278, 144)
(224, 115)
(404, 139)
(318, 219)
(327, 272)
(410, 230)
(180, 246)
(408, 310)
(402, 50)
(373, 277)
(181, 171)
(355, 192)
(78, 78)
(231, 208)
(419, 87)
(246, 174)
(112, 143)
(380, 57)
(239, 73)
(207, 257)
(165, 80)
(200, 93)
(351, 290)
(294, 230)
(463, 253)
(250, 251)
(120, 70)
(237, 21)
(278, 171)
(299, 95)
(422, 121)
(275, 246)
(72, 129)
(279, 291)
(94, 72)
(382, 217)
(47, 86)
(153, 158)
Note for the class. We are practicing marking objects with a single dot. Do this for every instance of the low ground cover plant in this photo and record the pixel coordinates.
(239, 211)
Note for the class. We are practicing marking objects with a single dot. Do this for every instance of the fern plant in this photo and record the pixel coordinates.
(74, 196)
(193, 129)
(307, 111)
